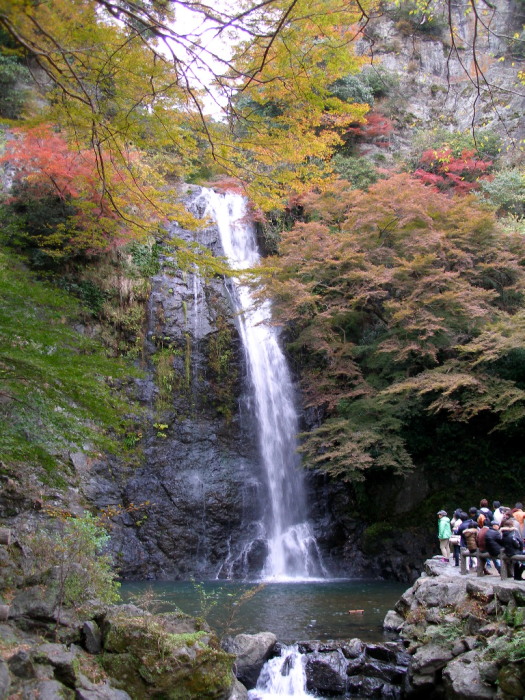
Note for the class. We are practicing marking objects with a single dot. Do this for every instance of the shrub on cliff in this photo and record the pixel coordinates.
(68, 558)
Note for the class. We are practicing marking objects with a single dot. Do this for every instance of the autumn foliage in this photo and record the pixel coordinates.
(44, 161)
(97, 212)
(375, 128)
(389, 295)
(458, 174)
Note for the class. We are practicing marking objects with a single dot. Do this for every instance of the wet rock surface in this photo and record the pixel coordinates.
(353, 668)
(200, 469)
(200, 473)
(461, 632)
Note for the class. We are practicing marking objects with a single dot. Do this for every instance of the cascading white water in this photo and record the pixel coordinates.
(282, 678)
(292, 549)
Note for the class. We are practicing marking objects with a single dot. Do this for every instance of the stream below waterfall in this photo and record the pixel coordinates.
(292, 611)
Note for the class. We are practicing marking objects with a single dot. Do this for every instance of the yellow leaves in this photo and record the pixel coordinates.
(121, 75)
(110, 90)
(288, 74)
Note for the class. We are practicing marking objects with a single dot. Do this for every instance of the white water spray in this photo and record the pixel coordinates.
(292, 549)
(282, 678)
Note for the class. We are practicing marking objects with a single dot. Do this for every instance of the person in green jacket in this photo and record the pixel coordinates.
(444, 534)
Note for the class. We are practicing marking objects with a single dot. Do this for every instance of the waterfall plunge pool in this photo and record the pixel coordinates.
(293, 611)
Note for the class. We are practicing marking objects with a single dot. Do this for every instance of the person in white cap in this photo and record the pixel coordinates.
(444, 534)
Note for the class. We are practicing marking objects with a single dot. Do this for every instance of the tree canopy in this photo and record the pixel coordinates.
(399, 301)
(126, 81)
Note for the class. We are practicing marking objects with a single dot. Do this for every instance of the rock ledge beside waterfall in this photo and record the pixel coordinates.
(465, 634)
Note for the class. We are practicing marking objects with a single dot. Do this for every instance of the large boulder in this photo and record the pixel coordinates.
(430, 658)
(146, 658)
(63, 662)
(251, 652)
(37, 603)
(438, 592)
(326, 672)
(21, 664)
(336, 668)
(463, 680)
(393, 621)
(92, 637)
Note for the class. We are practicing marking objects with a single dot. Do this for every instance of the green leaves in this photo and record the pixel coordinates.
(347, 447)
(58, 389)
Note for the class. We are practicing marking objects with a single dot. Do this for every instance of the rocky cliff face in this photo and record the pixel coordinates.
(199, 470)
(461, 80)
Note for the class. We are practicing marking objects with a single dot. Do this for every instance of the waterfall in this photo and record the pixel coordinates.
(292, 549)
(282, 677)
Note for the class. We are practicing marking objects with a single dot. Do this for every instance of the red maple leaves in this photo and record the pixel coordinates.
(459, 174)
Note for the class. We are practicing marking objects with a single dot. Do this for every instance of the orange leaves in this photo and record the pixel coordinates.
(43, 159)
(399, 300)
(399, 270)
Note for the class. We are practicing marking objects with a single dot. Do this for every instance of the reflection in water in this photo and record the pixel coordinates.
(292, 611)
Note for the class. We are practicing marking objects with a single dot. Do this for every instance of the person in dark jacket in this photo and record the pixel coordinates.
(469, 523)
(512, 543)
(489, 540)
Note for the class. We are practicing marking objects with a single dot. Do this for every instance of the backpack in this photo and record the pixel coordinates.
(470, 539)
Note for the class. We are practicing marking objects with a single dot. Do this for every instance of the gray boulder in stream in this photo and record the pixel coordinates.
(251, 652)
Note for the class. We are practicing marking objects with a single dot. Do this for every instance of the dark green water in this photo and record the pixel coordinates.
(292, 611)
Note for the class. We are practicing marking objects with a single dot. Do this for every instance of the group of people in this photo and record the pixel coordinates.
(489, 530)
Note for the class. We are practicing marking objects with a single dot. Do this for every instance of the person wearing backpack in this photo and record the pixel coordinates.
(489, 540)
(512, 543)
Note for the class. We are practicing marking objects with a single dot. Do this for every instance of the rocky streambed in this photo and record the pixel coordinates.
(453, 636)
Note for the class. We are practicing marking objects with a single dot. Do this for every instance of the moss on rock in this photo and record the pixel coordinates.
(144, 655)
